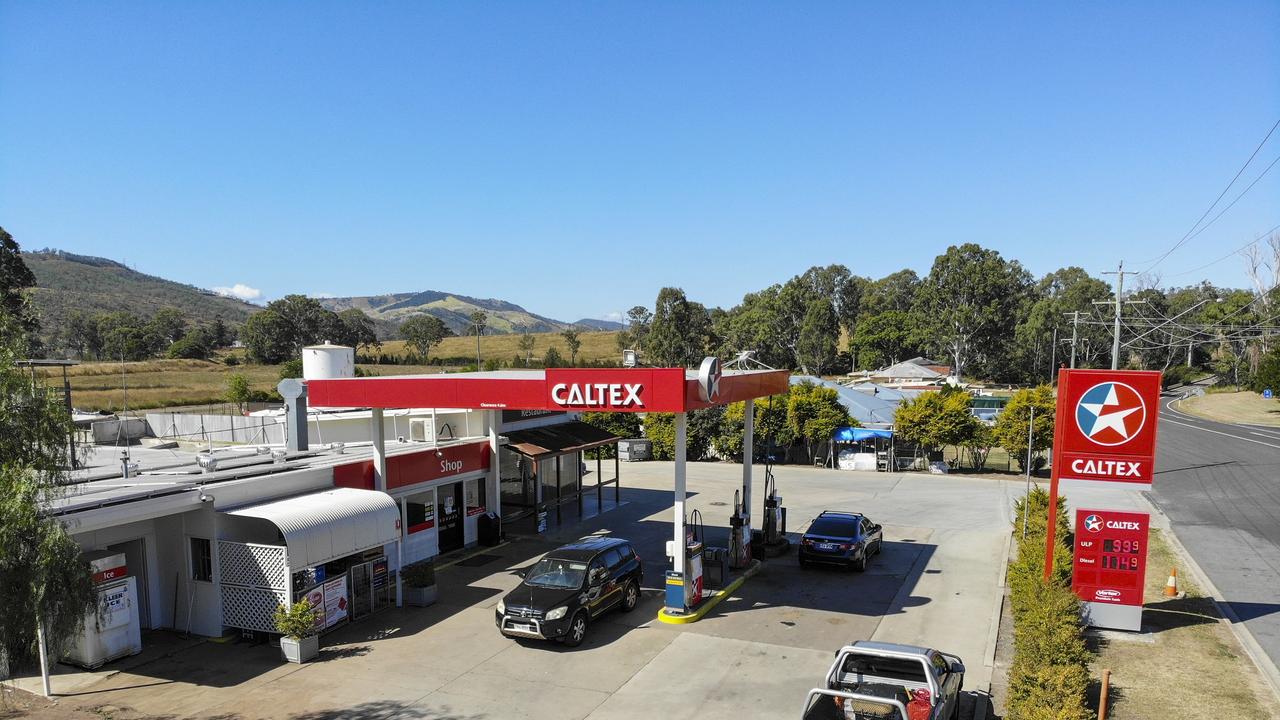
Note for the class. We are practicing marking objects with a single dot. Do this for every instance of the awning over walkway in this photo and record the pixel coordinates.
(552, 440)
(328, 525)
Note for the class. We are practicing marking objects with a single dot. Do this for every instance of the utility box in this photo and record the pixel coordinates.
(635, 450)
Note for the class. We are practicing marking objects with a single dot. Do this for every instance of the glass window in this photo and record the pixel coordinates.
(201, 560)
(834, 526)
(555, 573)
(612, 559)
(419, 512)
(475, 496)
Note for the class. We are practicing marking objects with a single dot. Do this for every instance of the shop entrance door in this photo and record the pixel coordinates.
(449, 517)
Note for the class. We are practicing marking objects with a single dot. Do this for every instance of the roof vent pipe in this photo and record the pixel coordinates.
(295, 411)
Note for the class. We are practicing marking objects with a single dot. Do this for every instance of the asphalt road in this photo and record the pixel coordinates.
(1219, 485)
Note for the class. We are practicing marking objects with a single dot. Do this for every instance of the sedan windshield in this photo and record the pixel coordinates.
(553, 573)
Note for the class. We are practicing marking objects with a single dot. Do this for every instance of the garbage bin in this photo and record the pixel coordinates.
(489, 529)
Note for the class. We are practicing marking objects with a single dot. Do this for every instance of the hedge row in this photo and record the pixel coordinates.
(1050, 673)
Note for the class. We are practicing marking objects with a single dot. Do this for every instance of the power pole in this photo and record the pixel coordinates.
(1075, 326)
(1053, 356)
(1115, 341)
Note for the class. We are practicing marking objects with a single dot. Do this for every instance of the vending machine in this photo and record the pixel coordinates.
(112, 630)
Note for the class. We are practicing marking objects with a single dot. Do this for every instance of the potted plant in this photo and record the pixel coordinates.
(296, 624)
(419, 580)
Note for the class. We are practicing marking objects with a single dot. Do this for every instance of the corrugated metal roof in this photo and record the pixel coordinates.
(324, 526)
(865, 408)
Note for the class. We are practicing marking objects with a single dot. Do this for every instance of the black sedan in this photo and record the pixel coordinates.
(841, 538)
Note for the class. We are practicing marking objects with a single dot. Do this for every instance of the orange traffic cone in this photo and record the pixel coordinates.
(1171, 587)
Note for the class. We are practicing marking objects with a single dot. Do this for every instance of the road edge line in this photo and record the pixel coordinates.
(1266, 667)
(712, 601)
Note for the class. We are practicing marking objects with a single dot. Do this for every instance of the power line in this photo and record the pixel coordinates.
(1238, 250)
(1225, 190)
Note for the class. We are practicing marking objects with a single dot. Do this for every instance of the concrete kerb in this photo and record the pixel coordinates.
(1266, 667)
(993, 635)
(712, 601)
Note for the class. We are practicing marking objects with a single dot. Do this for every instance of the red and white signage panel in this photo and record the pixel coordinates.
(1106, 425)
(409, 469)
(1110, 557)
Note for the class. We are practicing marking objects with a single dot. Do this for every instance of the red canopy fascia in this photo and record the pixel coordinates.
(573, 389)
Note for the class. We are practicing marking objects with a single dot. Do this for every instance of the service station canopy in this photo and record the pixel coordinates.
(673, 390)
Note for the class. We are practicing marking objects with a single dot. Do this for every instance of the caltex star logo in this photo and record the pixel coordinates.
(1111, 413)
(1093, 523)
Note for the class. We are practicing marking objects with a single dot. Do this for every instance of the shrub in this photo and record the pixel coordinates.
(1177, 375)
(702, 427)
(624, 425)
(231, 360)
(1049, 677)
(291, 369)
(420, 574)
(297, 621)
(188, 348)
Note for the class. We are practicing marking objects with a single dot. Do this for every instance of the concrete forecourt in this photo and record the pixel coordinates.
(937, 583)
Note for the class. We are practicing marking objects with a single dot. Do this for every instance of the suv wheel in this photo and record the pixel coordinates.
(630, 596)
(577, 629)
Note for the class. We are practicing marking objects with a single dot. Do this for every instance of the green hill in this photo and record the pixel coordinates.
(66, 282)
(454, 310)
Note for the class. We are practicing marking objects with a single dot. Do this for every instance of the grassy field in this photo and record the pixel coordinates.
(171, 383)
(596, 346)
(1187, 664)
(1233, 407)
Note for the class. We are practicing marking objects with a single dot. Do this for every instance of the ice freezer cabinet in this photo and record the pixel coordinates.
(112, 630)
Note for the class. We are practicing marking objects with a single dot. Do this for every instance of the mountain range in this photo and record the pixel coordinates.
(67, 281)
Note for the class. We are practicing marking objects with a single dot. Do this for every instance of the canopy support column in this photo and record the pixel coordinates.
(748, 452)
(678, 547)
(376, 433)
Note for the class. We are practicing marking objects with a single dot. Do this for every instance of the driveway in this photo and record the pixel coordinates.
(755, 655)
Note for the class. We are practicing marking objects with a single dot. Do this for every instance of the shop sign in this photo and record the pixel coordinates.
(1110, 556)
(335, 601)
(418, 467)
(1106, 425)
(514, 416)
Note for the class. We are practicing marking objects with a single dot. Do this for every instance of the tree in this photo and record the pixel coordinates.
(1057, 296)
(423, 332)
(677, 334)
(220, 335)
(525, 344)
(15, 279)
(168, 325)
(190, 347)
(552, 358)
(816, 348)
(770, 426)
(1014, 422)
(814, 413)
(354, 328)
(284, 327)
(701, 427)
(886, 338)
(45, 578)
(572, 342)
(479, 319)
(970, 301)
(238, 391)
(638, 318)
(936, 419)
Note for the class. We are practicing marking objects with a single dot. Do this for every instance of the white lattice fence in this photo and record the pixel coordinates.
(254, 582)
(253, 565)
(250, 608)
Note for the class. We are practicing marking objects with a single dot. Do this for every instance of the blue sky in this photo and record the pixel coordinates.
(576, 157)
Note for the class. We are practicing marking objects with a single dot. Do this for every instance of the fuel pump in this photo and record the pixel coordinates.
(739, 534)
(684, 592)
(774, 525)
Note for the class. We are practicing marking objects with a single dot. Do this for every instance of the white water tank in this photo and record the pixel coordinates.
(327, 361)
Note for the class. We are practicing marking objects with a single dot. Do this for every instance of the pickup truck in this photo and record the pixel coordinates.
(881, 681)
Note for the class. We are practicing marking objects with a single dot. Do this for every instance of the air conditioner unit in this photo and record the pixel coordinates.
(421, 430)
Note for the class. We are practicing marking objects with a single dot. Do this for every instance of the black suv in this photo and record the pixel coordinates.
(570, 586)
(842, 538)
